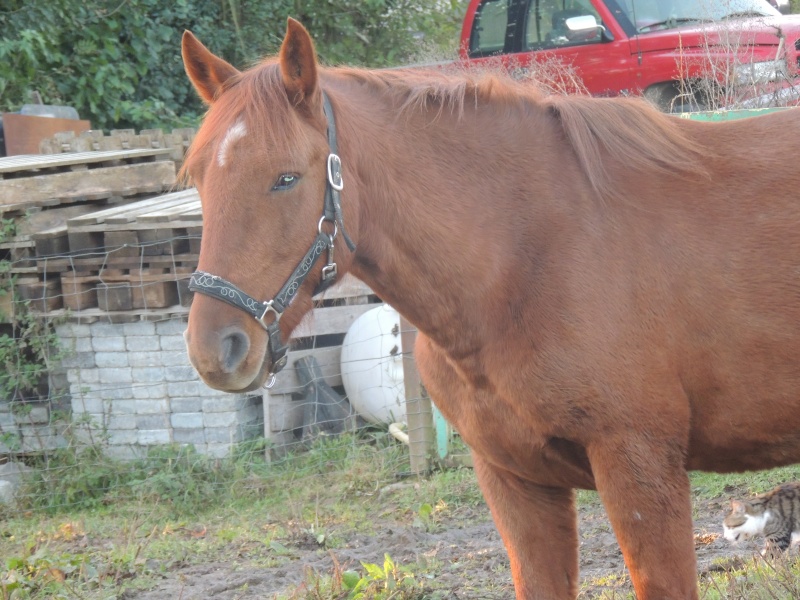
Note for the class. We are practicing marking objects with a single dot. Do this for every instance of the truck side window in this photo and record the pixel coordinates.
(545, 24)
(489, 30)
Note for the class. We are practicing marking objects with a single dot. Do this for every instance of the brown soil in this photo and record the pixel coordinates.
(462, 557)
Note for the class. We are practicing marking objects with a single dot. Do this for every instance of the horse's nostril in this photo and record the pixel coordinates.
(233, 349)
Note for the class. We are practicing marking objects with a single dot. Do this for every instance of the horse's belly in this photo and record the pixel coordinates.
(764, 436)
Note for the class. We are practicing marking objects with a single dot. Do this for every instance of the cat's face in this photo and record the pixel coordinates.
(743, 522)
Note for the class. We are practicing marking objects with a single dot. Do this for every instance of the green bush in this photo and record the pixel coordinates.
(118, 63)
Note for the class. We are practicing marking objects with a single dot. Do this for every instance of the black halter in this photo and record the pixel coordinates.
(219, 288)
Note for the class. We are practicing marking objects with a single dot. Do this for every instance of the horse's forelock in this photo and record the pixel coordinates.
(256, 98)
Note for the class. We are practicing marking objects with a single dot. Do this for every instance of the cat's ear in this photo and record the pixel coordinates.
(737, 507)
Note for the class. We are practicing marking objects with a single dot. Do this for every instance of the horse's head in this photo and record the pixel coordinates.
(262, 164)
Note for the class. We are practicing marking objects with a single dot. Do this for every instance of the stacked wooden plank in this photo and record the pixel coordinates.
(135, 257)
(121, 139)
(40, 193)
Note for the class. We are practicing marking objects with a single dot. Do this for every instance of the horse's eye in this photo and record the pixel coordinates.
(285, 182)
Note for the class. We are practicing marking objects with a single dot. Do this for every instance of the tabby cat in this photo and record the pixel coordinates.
(775, 515)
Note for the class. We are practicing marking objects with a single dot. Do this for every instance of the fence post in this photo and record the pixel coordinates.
(421, 442)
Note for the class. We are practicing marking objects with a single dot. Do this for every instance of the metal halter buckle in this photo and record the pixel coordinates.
(268, 308)
(335, 172)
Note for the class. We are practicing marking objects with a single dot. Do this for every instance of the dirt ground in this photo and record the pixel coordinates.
(462, 558)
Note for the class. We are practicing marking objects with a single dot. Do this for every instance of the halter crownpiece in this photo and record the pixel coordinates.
(221, 289)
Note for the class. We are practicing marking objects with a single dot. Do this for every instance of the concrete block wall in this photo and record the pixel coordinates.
(132, 387)
(30, 427)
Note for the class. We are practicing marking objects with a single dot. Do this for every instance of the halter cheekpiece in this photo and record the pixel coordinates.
(221, 289)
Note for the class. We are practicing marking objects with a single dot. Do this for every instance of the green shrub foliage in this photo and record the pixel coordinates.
(118, 62)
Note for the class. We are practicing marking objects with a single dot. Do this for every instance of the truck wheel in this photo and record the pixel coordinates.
(676, 97)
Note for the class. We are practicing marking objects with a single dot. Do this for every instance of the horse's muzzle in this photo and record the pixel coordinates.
(227, 360)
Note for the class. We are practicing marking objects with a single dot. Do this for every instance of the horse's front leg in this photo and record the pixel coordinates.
(643, 484)
(538, 525)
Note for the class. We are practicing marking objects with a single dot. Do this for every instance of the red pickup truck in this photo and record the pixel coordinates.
(681, 54)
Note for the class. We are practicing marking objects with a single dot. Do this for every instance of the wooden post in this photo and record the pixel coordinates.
(419, 413)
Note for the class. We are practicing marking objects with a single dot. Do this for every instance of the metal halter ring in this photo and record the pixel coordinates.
(335, 227)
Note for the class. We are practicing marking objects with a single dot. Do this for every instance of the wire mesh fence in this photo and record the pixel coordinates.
(94, 275)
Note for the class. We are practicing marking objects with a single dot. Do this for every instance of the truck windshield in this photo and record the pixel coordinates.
(654, 15)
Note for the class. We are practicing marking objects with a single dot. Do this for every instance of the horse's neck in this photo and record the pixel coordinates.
(444, 206)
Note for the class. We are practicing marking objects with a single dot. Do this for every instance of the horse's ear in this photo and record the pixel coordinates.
(206, 71)
(298, 61)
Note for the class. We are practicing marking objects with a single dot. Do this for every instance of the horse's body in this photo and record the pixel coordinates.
(606, 296)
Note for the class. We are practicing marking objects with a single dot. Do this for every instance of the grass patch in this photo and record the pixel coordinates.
(88, 526)
(715, 485)
(91, 527)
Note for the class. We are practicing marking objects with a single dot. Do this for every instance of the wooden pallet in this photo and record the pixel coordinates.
(177, 141)
(336, 311)
(35, 181)
(162, 225)
(93, 315)
(118, 291)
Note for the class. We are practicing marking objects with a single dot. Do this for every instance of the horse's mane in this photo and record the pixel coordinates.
(605, 134)
(626, 133)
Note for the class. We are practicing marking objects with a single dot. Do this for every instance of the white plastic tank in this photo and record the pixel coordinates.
(372, 366)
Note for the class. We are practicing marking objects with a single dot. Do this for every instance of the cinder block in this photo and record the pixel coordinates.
(78, 360)
(83, 344)
(146, 391)
(74, 330)
(144, 359)
(111, 359)
(189, 436)
(173, 342)
(41, 438)
(143, 343)
(108, 344)
(186, 405)
(102, 329)
(139, 328)
(184, 388)
(122, 436)
(186, 420)
(152, 437)
(122, 421)
(83, 376)
(171, 327)
(152, 407)
(147, 374)
(7, 422)
(116, 375)
(123, 407)
(226, 403)
(174, 358)
(38, 415)
(145, 422)
(227, 435)
(88, 403)
(219, 419)
(185, 373)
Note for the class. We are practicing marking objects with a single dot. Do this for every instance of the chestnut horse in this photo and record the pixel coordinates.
(607, 297)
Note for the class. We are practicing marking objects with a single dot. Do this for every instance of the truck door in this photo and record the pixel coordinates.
(529, 39)
(599, 59)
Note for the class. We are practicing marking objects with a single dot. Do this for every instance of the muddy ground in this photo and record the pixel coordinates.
(461, 557)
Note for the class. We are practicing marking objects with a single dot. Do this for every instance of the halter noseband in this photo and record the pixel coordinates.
(221, 289)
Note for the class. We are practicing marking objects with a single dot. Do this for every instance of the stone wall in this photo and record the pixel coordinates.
(131, 386)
